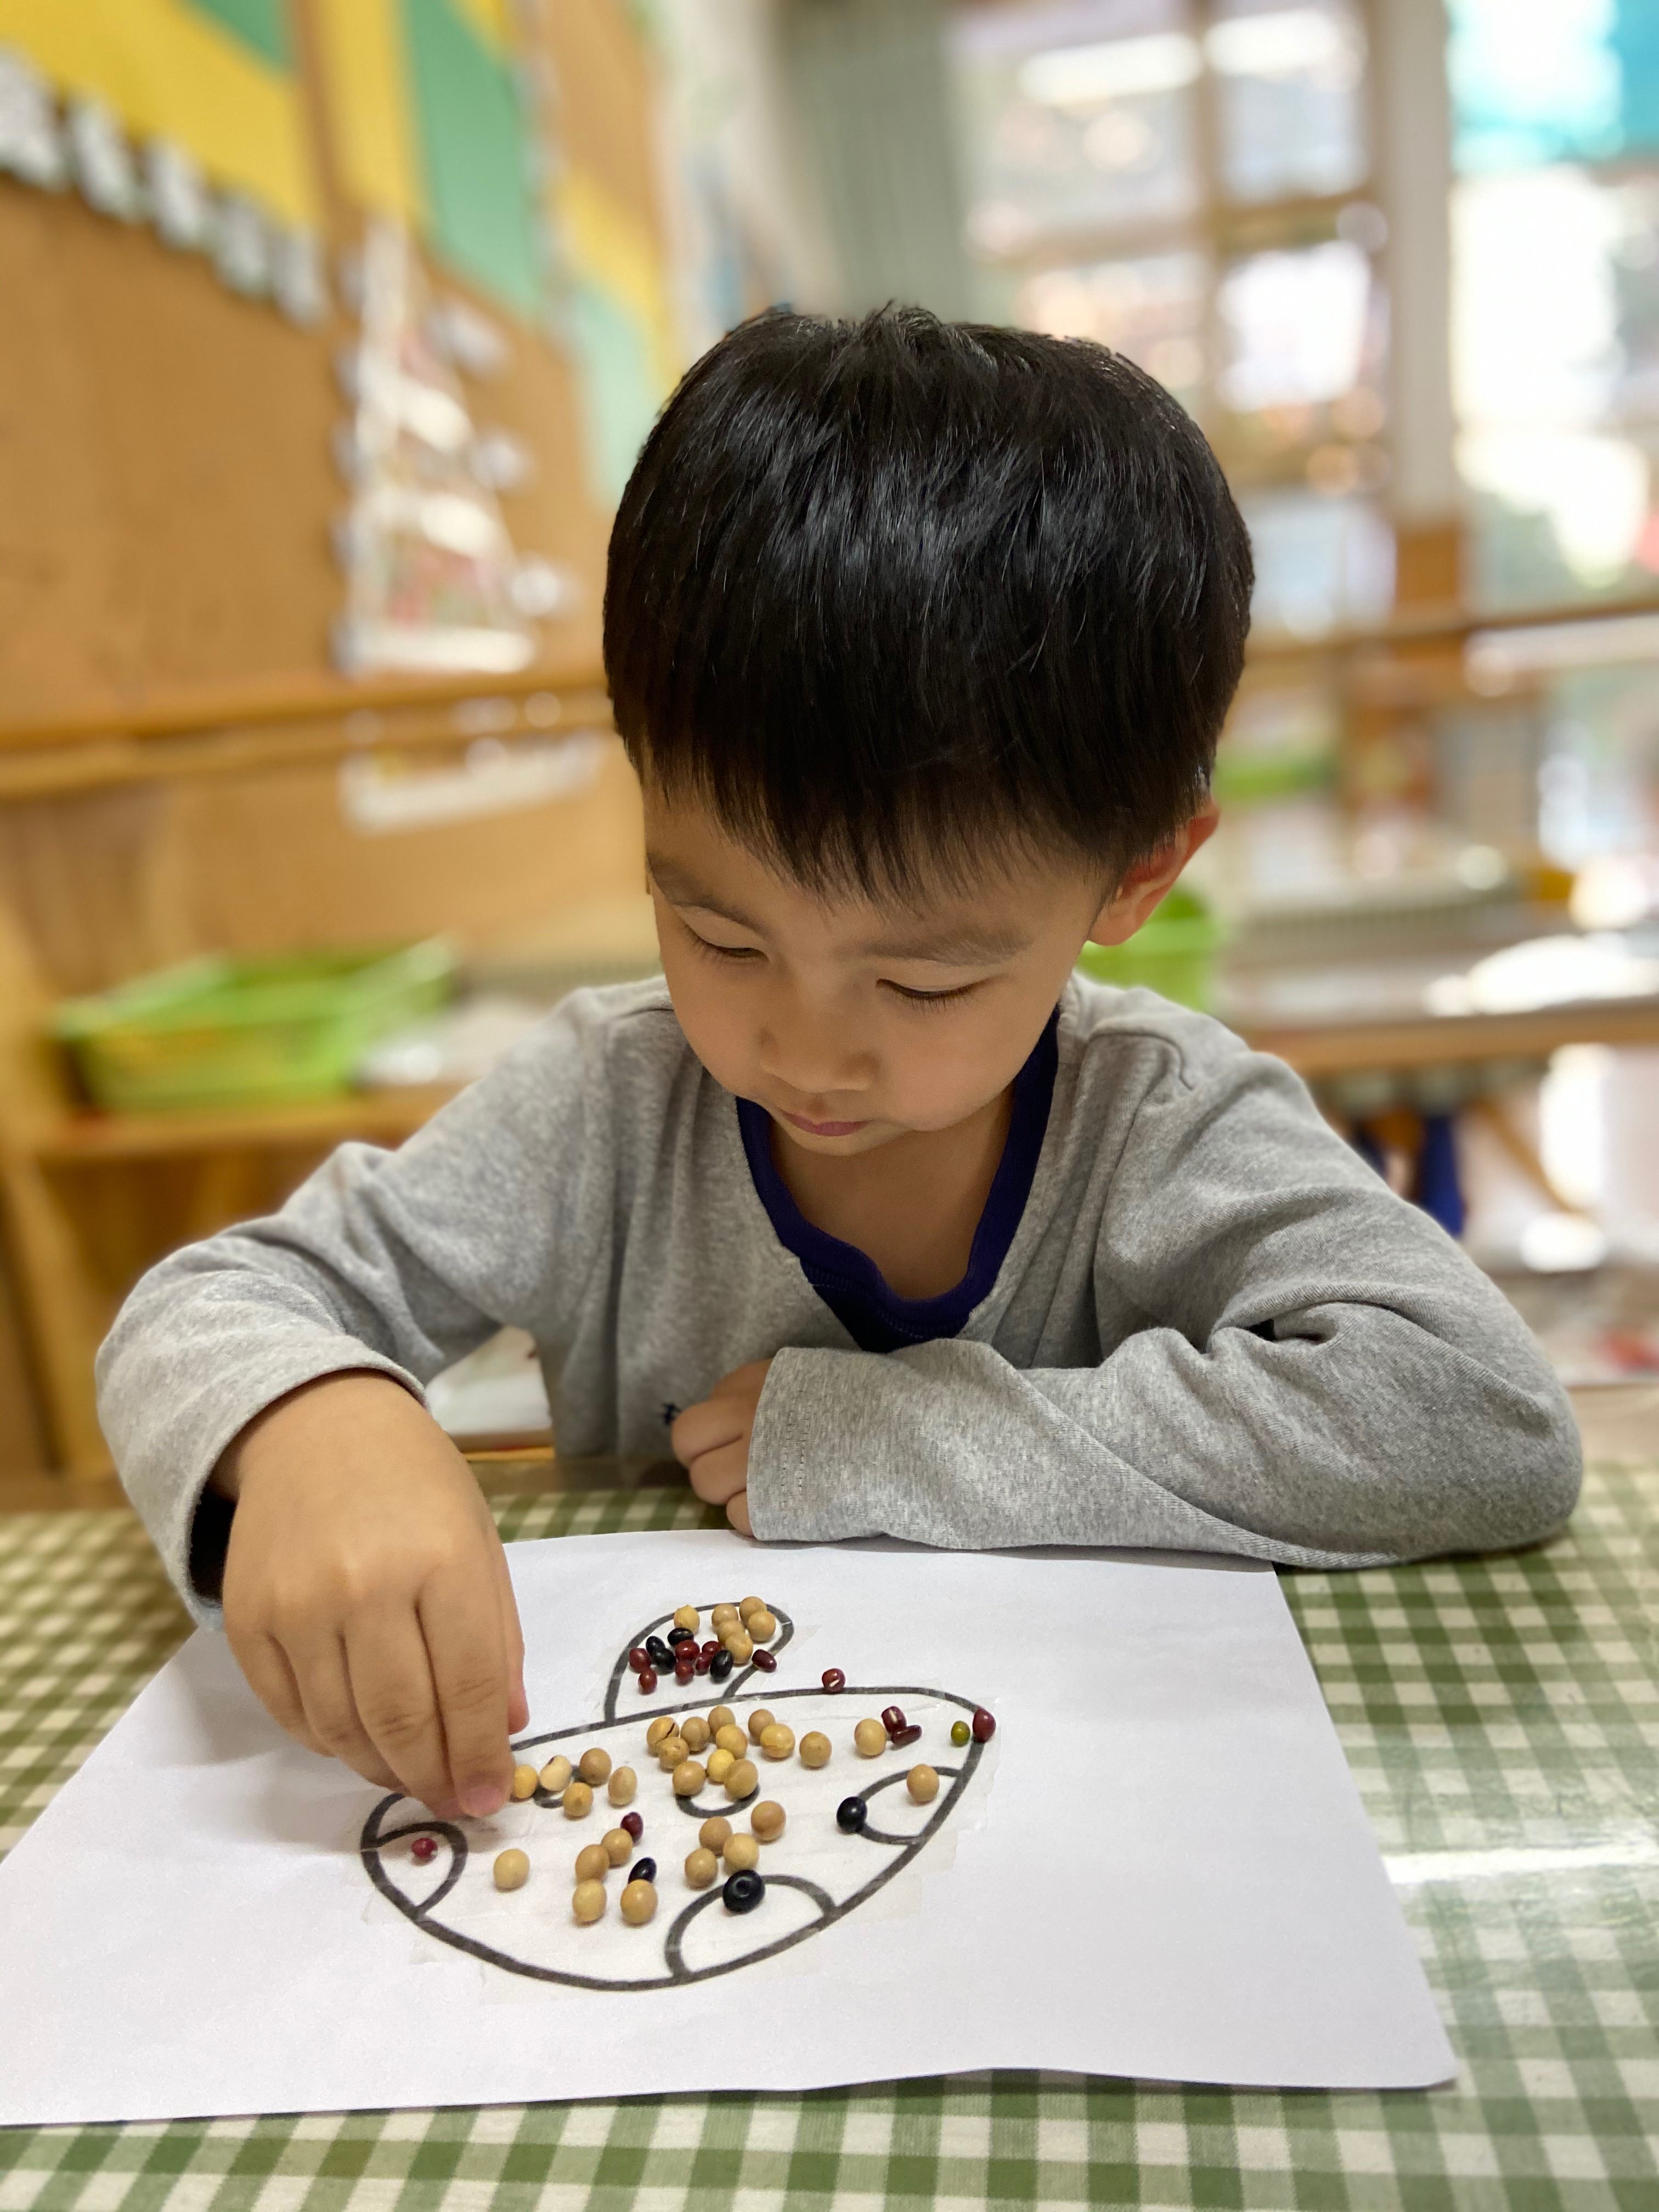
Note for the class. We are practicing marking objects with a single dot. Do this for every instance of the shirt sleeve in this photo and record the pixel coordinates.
(395, 1262)
(1322, 1376)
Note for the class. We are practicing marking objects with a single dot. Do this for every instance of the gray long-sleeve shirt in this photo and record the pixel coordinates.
(1215, 1328)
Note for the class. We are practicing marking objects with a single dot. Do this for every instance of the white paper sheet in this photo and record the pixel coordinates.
(1159, 1867)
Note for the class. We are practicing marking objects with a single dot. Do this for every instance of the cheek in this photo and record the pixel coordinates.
(711, 1015)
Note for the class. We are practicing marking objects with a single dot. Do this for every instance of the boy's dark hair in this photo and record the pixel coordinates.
(895, 597)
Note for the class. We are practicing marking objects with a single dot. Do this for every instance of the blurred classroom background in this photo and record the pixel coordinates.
(330, 328)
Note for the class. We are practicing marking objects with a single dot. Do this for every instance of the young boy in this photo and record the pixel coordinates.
(920, 637)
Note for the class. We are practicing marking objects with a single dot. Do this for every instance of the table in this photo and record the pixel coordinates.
(1502, 1717)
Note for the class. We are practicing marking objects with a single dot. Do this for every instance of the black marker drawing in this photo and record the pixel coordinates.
(815, 1875)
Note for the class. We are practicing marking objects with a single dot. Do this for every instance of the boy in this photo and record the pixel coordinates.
(920, 638)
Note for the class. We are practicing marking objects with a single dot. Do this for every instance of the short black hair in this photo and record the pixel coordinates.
(896, 596)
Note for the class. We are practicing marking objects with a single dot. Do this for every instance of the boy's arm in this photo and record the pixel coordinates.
(1323, 1377)
(392, 1264)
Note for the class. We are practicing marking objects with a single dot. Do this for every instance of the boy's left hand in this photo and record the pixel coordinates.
(711, 1440)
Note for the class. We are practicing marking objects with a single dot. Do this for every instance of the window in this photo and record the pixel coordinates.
(1186, 183)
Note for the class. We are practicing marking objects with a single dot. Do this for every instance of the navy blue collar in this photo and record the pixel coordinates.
(848, 1280)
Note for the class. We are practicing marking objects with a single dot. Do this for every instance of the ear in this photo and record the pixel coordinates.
(1146, 883)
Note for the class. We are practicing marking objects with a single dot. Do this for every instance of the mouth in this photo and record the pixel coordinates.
(824, 1128)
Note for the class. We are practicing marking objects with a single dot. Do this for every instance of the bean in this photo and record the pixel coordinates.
(984, 1725)
(759, 1721)
(632, 1823)
(720, 1666)
(960, 1732)
(512, 1870)
(616, 1843)
(594, 1765)
(748, 1605)
(869, 1738)
(424, 1850)
(765, 1660)
(907, 1735)
(722, 1716)
(687, 1616)
(687, 1777)
(743, 1892)
(720, 1764)
(662, 1726)
(922, 1782)
(647, 1682)
(777, 1741)
(741, 1852)
(642, 1870)
(892, 1719)
(701, 1868)
(833, 1680)
(762, 1625)
(739, 1650)
(731, 1738)
(742, 1781)
(661, 1655)
(555, 1775)
(577, 1801)
(672, 1752)
(694, 1730)
(851, 1814)
(588, 1902)
(713, 1833)
(708, 1647)
(622, 1785)
(815, 1749)
(638, 1903)
(720, 1617)
(523, 1783)
(639, 1658)
(678, 1637)
(767, 1821)
(593, 1862)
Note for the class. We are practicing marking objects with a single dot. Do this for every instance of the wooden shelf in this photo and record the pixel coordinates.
(387, 1115)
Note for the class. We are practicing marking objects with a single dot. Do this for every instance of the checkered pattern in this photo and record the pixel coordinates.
(1502, 1717)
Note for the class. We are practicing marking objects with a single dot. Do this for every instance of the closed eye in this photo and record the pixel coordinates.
(930, 998)
(723, 952)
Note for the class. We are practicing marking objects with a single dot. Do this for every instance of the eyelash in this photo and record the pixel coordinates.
(928, 1001)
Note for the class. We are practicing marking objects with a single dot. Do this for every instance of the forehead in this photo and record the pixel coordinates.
(697, 864)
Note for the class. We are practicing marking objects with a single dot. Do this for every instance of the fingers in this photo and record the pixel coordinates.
(719, 1475)
(518, 1705)
(470, 1674)
(323, 1683)
(271, 1680)
(390, 1677)
(706, 1427)
(736, 1512)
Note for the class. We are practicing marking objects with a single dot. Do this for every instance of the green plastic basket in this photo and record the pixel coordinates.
(256, 1032)
(1173, 952)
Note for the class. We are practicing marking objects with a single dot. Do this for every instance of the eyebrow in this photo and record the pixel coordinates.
(952, 944)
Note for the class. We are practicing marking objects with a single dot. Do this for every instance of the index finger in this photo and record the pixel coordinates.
(460, 1617)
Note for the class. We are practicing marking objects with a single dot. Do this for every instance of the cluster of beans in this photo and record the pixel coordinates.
(872, 1737)
(699, 1748)
(742, 1632)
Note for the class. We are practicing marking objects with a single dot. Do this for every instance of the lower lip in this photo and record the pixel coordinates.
(825, 1128)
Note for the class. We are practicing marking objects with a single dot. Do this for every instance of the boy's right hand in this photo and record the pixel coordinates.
(365, 1593)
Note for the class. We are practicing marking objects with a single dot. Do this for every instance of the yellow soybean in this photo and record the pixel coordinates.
(512, 1870)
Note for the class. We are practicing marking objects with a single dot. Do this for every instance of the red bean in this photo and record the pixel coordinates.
(423, 1849)
(647, 1682)
(833, 1679)
(892, 1719)
(908, 1735)
(765, 1660)
(984, 1725)
(639, 1658)
(634, 1824)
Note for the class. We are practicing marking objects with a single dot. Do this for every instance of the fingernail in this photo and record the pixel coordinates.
(486, 1798)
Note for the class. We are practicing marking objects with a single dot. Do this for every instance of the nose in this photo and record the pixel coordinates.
(806, 1051)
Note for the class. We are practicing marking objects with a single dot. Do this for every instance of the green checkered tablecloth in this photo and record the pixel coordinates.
(1502, 1717)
